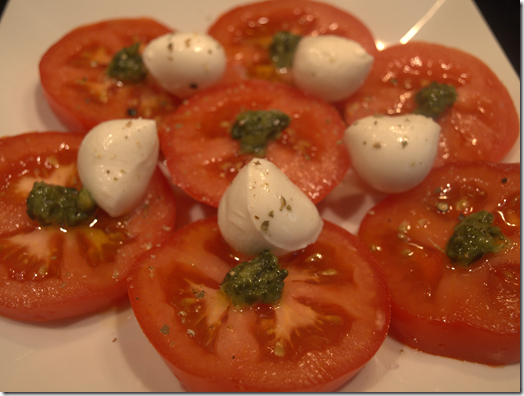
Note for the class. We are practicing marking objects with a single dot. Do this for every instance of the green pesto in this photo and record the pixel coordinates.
(256, 128)
(260, 280)
(56, 205)
(434, 99)
(127, 65)
(474, 236)
(282, 49)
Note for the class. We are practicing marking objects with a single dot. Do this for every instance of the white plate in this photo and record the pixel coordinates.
(107, 351)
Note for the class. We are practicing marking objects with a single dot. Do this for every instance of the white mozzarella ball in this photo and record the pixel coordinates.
(263, 209)
(330, 67)
(393, 153)
(116, 161)
(183, 63)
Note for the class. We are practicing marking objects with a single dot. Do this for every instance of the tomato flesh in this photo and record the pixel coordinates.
(74, 80)
(203, 158)
(246, 33)
(438, 307)
(48, 272)
(332, 317)
(482, 125)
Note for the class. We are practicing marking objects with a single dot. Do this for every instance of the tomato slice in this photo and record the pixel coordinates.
(331, 320)
(50, 272)
(246, 33)
(203, 158)
(468, 313)
(482, 125)
(75, 84)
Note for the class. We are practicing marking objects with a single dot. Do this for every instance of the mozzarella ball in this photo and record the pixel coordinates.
(183, 63)
(393, 153)
(263, 209)
(116, 161)
(330, 67)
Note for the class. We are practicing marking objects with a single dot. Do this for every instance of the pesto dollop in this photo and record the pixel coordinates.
(260, 280)
(473, 237)
(127, 65)
(256, 128)
(434, 99)
(282, 49)
(50, 204)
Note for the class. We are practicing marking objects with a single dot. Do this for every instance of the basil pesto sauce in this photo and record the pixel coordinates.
(473, 237)
(260, 280)
(434, 99)
(127, 65)
(282, 49)
(256, 128)
(62, 206)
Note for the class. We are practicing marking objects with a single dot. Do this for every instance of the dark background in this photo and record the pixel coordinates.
(503, 16)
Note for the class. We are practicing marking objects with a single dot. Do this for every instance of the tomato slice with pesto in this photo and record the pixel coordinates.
(74, 79)
(247, 31)
(203, 158)
(332, 317)
(439, 305)
(52, 272)
(482, 124)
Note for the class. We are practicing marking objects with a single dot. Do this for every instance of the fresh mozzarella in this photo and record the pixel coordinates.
(393, 153)
(330, 67)
(183, 63)
(116, 161)
(263, 209)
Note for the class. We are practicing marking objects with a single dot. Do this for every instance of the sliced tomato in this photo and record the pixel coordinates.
(203, 158)
(438, 307)
(482, 125)
(246, 33)
(75, 84)
(330, 321)
(50, 272)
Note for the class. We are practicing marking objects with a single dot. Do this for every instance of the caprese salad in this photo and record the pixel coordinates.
(261, 118)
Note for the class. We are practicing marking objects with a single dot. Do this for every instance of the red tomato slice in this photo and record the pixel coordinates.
(482, 125)
(51, 273)
(203, 158)
(464, 313)
(246, 32)
(331, 320)
(75, 84)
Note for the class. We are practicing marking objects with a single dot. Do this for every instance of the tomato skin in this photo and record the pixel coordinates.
(211, 347)
(469, 313)
(482, 125)
(203, 158)
(86, 265)
(74, 83)
(246, 40)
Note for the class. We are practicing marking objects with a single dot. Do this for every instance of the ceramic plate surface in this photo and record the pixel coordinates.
(107, 352)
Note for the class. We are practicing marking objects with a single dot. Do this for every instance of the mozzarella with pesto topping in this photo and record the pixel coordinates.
(183, 63)
(116, 161)
(393, 153)
(263, 209)
(330, 67)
